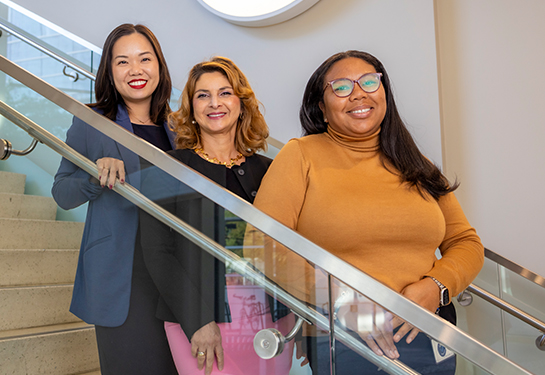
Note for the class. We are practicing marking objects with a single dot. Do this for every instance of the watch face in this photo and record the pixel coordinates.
(444, 297)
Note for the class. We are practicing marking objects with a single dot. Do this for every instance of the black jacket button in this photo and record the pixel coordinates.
(241, 172)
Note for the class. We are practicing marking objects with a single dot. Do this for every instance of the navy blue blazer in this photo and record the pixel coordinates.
(103, 279)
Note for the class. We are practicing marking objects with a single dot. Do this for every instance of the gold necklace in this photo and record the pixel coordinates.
(143, 122)
(228, 164)
(140, 121)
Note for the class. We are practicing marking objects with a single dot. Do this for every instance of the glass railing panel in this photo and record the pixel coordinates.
(489, 277)
(274, 147)
(498, 329)
(40, 165)
(521, 344)
(481, 319)
(373, 325)
(51, 35)
(47, 68)
(521, 337)
(523, 293)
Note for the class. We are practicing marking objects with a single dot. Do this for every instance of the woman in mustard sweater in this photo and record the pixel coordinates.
(357, 185)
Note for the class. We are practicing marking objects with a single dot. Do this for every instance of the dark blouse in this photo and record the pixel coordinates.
(156, 135)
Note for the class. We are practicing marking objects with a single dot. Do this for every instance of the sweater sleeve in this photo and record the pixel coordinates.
(461, 249)
(281, 196)
(72, 187)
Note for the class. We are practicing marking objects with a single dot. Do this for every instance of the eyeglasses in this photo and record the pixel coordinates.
(343, 87)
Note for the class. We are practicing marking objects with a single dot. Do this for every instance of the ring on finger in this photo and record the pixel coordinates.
(201, 354)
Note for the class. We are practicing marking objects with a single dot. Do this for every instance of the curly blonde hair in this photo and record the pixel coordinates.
(252, 130)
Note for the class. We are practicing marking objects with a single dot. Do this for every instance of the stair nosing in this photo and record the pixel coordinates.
(41, 220)
(47, 330)
(41, 286)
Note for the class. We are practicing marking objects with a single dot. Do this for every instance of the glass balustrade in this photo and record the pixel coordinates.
(498, 329)
(51, 36)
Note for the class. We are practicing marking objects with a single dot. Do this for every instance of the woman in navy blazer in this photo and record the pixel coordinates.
(113, 289)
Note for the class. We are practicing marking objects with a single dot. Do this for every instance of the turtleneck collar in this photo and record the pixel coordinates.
(361, 144)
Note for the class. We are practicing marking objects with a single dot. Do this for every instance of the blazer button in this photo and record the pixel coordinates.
(241, 172)
(254, 193)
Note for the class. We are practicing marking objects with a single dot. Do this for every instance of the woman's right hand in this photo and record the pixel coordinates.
(207, 340)
(109, 169)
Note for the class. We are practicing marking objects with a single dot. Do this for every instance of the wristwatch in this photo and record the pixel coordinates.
(444, 298)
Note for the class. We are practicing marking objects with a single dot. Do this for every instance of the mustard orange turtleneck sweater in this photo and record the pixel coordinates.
(335, 191)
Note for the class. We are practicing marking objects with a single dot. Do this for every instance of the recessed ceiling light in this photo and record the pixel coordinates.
(257, 12)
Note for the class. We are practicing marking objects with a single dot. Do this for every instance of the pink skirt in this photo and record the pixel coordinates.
(250, 314)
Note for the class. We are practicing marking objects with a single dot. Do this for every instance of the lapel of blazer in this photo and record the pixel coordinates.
(131, 160)
(171, 135)
(254, 170)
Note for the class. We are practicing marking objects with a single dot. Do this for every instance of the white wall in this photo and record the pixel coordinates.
(279, 59)
(491, 55)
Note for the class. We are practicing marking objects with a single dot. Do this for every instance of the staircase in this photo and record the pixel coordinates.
(38, 257)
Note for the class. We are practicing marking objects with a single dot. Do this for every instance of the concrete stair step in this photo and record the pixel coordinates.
(20, 267)
(12, 182)
(39, 234)
(38, 259)
(55, 350)
(20, 206)
(26, 307)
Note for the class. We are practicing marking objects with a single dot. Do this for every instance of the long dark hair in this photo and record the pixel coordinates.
(107, 97)
(397, 145)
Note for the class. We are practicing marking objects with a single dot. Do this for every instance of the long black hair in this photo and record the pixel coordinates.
(107, 97)
(396, 144)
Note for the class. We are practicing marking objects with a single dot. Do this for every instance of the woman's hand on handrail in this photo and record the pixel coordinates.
(426, 294)
(372, 323)
(109, 169)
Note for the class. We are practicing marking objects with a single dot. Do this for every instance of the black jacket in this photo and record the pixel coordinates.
(192, 282)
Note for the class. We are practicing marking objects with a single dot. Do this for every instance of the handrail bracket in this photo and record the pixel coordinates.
(6, 150)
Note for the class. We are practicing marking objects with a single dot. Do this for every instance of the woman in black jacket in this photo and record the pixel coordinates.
(219, 130)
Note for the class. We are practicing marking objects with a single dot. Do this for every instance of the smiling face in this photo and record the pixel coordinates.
(359, 114)
(135, 69)
(216, 108)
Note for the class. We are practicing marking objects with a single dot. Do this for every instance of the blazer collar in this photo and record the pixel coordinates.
(122, 118)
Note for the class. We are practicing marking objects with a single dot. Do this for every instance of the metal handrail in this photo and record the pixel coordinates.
(507, 307)
(9, 28)
(201, 240)
(433, 326)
